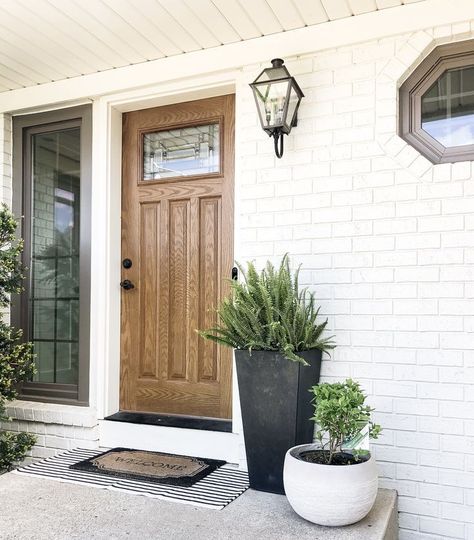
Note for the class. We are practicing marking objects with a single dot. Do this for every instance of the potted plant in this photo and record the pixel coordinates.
(333, 483)
(274, 327)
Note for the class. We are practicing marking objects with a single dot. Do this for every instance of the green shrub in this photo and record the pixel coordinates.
(340, 414)
(16, 358)
(13, 448)
(267, 311)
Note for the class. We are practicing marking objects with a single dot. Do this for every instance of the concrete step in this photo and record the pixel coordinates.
(87, 513)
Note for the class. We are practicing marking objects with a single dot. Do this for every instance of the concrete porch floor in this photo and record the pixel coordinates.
(40, 509)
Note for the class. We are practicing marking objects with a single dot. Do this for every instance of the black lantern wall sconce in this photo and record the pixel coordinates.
(278, 98)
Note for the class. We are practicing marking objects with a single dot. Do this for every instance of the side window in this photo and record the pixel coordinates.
(51, 185)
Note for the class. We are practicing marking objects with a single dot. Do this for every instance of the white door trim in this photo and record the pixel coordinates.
(105, 290)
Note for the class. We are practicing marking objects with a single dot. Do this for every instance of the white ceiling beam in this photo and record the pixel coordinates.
(366, 27)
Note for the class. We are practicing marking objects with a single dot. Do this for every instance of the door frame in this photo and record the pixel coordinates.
(106, 254)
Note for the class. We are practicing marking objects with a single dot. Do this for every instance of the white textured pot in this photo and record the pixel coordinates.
(331, 495)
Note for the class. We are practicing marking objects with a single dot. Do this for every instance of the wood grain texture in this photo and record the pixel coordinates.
(149, 278)
(179, 234)
(178, 260)
(209, 285)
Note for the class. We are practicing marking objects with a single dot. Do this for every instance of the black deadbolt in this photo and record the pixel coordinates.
(127, 263)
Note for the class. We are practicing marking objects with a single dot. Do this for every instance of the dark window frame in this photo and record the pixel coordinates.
(24, 127)
(444, 57)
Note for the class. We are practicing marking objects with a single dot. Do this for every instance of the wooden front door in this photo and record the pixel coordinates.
(177, 233)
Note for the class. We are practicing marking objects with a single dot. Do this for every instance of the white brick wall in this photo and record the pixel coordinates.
(386, 241)
(5, 166)
(56, 427)
(5, 157)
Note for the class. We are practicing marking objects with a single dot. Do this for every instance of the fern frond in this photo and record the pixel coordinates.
(267, 310)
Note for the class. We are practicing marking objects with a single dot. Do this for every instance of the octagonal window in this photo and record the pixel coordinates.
(437, 104)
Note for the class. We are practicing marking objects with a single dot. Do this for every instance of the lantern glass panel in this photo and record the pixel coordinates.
(271, 100)
(292, 107)
(271, 74)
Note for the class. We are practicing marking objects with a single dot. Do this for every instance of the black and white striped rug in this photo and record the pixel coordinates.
(216, 490)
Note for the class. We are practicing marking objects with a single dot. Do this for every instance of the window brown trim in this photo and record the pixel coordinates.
(24, 127)
(444, 57)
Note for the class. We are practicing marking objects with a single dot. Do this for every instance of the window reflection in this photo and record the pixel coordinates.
(447, 108)
(54, 293)
(187, 151)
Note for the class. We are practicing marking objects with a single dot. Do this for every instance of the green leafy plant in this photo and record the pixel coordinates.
(341, 415)
(268, 311)
(13, 448)
(16, 357)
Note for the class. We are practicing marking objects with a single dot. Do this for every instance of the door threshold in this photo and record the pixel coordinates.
(172, 420)
(159, 438)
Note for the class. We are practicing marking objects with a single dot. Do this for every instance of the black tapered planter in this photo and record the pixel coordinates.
(276, 410)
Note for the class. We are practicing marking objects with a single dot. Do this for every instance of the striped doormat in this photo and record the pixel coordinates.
(216, 490)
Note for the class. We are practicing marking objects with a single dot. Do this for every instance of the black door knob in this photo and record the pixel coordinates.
(127, 284)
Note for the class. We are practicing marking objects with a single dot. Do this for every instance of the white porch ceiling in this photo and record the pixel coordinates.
(43, 41)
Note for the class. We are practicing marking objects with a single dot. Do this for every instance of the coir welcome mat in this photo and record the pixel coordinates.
(214, 491)
(150, 466)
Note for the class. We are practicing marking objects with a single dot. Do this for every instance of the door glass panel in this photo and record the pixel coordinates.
(187, 151)
(447, 108)
(54, 264)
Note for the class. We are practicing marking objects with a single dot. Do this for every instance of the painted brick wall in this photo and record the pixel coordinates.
(5, 166)
(56, 427)
(5, 157)
(387, 242)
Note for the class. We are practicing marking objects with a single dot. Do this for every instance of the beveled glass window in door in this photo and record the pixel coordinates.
(447, 108)
(54, 258)
(186, 151)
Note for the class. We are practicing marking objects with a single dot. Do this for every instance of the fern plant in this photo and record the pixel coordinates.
(267, 311)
